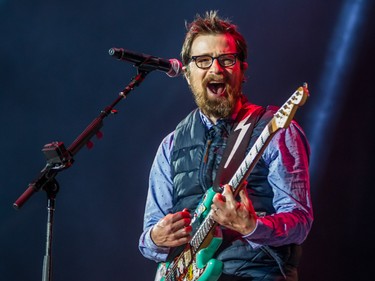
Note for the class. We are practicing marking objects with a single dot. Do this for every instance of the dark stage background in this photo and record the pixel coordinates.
(56, 76)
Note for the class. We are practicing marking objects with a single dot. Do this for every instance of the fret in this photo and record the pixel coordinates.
(202, 233)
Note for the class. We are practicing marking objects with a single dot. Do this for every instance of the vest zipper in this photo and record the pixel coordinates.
(205, 159)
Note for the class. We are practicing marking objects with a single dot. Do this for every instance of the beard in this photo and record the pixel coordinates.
(221, 106)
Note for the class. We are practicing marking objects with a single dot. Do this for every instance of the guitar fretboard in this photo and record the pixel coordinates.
(205, 227)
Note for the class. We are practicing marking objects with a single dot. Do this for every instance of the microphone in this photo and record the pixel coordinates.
(172, 67)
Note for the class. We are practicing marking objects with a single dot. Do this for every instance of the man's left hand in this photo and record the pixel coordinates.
(238, 216)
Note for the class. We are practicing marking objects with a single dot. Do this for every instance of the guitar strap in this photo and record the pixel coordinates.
(237, 145)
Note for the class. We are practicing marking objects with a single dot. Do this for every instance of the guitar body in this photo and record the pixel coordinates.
(198, 265)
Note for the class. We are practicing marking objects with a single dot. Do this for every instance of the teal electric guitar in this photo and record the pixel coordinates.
(196, 262)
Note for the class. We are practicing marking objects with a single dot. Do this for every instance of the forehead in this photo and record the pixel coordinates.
(213, 44)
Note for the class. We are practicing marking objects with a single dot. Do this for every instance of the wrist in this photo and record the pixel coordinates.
(249, 227)
(152, 236)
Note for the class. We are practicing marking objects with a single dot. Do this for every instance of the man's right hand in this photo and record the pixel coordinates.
(173, 230)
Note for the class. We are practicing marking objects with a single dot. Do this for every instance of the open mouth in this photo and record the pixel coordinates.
(216, 88)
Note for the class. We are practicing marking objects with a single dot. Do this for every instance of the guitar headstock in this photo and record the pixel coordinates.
(285, 114)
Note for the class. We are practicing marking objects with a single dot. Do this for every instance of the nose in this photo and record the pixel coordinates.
(216, 67)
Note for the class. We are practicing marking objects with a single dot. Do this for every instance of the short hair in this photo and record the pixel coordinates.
(211, 24)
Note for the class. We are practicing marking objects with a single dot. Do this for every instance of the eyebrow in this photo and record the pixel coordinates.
(207, 54)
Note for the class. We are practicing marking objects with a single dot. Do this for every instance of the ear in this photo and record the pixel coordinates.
(245, 65)
(186, 74)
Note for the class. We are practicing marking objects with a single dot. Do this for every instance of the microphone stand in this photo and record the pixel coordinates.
(59, 158)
